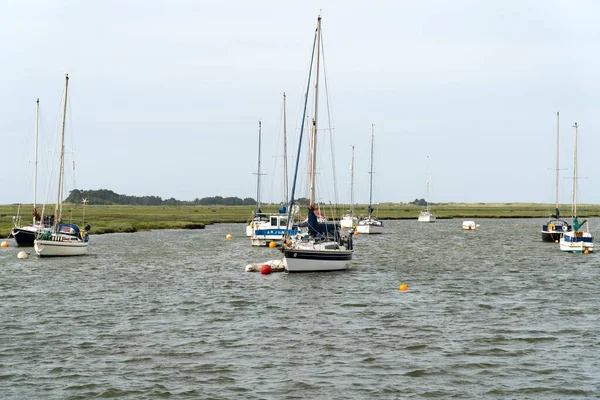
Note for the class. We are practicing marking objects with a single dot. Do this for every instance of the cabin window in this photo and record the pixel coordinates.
(273, 221)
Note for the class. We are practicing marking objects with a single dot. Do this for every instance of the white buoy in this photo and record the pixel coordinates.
(276, 266)
(22, 255)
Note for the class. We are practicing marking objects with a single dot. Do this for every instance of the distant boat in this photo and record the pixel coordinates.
(426, 215)
(349, 220)
(25, 234)
(325, 247)
(555, 227)
(575, 241)
(370, 224)
(64, 239)
(469, 225)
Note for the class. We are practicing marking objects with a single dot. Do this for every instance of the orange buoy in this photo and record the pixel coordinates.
(272, 245)
(355, 233)
(516, 224)
(4, 244)
(265, 270)
(229, 236)
(586, 251)
(403, 287)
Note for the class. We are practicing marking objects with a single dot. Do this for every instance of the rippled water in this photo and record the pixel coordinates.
(492, 313)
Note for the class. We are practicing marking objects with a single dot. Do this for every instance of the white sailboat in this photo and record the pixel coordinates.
(426, 215)
(258, 218)
(349, 220)
(64, 239)
(325, 247)
(272, 227)
(370, 224)
(553, 229)
(25, 234)
(576, 241)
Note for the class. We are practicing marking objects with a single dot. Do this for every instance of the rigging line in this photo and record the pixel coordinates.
(300, 139)
(329, 122)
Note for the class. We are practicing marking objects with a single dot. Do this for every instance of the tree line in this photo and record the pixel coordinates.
(108, 197)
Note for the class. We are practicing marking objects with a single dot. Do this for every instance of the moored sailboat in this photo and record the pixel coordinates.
(370, 224)
(25, 235)
(555, 226)
(349, 220)
(576, 241)
(426, 215)
(64, 239)
(325, 247)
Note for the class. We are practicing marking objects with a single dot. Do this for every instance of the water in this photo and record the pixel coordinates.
(493, 313)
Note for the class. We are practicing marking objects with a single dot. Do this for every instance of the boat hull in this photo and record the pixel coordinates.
(54, 248)
(24, 236)
(553, 230)
(300, 260)
(551, 236)
(426, 218)
(577, 242)
(370, 225)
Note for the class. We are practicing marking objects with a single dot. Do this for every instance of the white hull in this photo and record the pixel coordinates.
(469, 225)
(577, 242)
(52, 248)
(248, 230)
(427, 217)
(369, 229)
(348, 222)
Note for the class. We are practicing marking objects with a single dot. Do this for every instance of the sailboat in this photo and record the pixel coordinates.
(325, 247)
(426, 215)
(370, 224)
(349, 220)
(25, 234)
(555, 227)
(272, 227)
(576, 241)
(64, 239)
(258, 218)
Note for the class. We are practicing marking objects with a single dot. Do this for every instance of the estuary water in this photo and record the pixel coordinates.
(493, 313)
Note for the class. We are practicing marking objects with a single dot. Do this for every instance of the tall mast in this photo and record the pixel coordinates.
(427, 176)
(574, 205)
(313, 149)
(285, 173)
(35, 162)
(58, 208)
(557, 213)
(371, 170)
(352, 184)
(258, 170)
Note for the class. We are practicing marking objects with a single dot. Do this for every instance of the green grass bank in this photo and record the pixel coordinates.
(111, 219)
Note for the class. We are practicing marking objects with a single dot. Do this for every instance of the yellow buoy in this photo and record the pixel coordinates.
(586, 251)
(272, 245)
(403, 287)
(556, 241)
(229, 236)
(4, 244)
(516, 224)
(22, 255)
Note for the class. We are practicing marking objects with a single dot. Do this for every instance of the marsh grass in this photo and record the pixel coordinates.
(111, 219)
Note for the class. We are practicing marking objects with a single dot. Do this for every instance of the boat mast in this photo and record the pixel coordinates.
(371, 170)
(557, 212)
(427, 176)
(352, 185)
(285, 173)
(574, 205)
(35, 162)
(58, 208)
(313, 149)
(258, 170)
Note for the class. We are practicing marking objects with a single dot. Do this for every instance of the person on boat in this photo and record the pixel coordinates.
(283, 209)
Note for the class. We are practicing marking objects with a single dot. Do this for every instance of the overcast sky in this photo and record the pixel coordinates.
(165, 96)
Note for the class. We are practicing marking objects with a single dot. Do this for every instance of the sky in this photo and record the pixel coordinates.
(165, 96)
